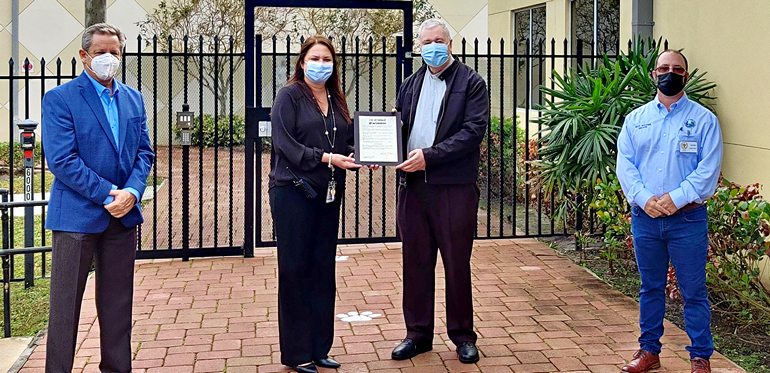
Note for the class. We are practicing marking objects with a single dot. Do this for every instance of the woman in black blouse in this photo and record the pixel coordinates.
(312, 141)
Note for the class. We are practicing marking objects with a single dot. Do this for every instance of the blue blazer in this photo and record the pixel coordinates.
(84, 158)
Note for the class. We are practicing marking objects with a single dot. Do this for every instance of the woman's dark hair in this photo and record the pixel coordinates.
(333, 84)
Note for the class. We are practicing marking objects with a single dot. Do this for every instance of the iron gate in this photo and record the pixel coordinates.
(259, 97)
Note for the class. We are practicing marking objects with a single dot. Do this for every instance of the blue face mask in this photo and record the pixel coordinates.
(319, 72)
(435, 54)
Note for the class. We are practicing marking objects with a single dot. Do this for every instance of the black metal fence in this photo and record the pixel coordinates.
(197, 190)
(213, 84)
(512, 205)
(8, 256)
(194, 205)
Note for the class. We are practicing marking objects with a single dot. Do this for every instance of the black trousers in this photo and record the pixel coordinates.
(114, 251)
(306, 235)
(431, 219)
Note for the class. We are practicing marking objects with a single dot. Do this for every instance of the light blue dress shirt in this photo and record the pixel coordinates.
(428, 109)
(110, 105)
(677, 152)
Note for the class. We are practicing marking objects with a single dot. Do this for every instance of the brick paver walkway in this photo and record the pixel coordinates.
(535, 312)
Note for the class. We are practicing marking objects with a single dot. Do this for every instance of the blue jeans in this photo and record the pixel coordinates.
(681, 238)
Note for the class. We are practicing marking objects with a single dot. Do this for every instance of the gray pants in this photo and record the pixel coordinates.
(114, 251)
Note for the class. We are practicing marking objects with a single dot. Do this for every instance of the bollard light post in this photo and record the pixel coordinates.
(184, 121)
(27, 141)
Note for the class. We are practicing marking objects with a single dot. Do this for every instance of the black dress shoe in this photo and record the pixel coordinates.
(408, 349)
(467, 352)
(327, 363)
(309, 368)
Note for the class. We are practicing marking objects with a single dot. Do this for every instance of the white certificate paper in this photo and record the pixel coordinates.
(378, 138)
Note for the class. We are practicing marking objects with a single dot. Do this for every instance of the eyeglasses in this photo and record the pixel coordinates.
(665, 68)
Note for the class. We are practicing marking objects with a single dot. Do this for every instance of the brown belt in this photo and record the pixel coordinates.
(688, 207)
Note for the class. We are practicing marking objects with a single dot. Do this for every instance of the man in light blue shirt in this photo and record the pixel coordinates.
(669, 158)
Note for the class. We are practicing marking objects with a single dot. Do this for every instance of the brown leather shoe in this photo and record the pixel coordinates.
(699, 365)
(643, 361)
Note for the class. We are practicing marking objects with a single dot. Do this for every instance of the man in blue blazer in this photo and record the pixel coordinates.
(97, 146)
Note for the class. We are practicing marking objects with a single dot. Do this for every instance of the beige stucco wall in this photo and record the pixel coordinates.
(626, 20)
(466, 19)
(728, 39)
(556, 19)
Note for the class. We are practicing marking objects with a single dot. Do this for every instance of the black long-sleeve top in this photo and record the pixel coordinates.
(299, 140)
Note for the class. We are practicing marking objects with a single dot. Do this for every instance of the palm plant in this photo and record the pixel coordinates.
(583, 115)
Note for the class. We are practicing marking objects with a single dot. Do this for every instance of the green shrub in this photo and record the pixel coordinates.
(611, 209)
(217, 132)
(504, 145)
(18, 156)
(583, 115)
(739, 237)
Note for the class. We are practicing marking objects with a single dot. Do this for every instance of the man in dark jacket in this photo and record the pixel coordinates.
(445, 111)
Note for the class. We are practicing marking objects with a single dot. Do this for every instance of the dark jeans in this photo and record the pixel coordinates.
(114, 251)
(432, 219)
(681, 238)
(306, 235)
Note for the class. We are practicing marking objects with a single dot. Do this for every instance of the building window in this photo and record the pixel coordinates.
(597, 24)
(529, 32)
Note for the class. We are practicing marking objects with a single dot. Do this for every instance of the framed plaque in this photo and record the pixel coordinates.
(378, 138)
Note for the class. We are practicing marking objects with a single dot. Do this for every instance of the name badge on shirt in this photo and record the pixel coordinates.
(688, 147)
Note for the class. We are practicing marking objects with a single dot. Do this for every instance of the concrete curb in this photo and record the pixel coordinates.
(16, 367)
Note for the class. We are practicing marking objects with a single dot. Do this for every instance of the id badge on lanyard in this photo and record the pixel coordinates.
(688, 143)
(331, 191)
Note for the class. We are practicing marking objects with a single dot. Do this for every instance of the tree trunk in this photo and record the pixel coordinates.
(96, 11)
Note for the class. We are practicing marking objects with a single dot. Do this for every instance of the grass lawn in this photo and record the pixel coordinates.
(29, 307)
(18, 182)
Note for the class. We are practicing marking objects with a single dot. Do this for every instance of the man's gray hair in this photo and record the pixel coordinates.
(432, 23)
(102, 29)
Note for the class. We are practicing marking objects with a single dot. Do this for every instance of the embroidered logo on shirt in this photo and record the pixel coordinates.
(690, 123)
(642, 126)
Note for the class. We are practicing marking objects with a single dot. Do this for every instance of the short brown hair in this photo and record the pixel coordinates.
(677, 51)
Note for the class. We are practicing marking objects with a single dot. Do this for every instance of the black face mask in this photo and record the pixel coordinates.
(671, 84)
